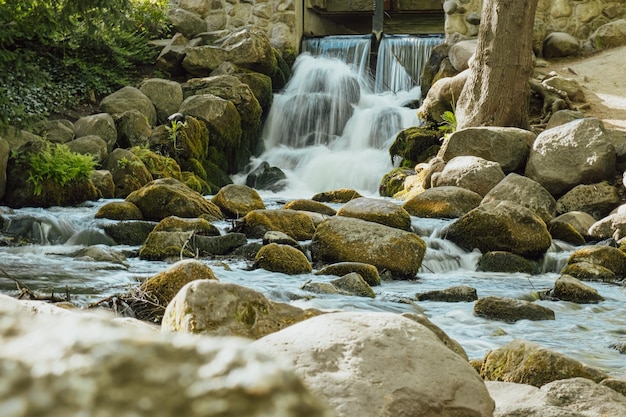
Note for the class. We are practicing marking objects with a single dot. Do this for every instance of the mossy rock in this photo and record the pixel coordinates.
(378, 211)
(606, 256)
(309, 205)
(198, 226)
(169, 197)
(237, 200)
(295, 224)
(368, 272)
(586, 271)
(261, 86)
(282, 258)
(445, 202)
(196, 183)
(525, 362)
(393, 182)
(163, 246)
(130, 232)
(456, 294)
(511, 310)
(159, 166)
(345, 239)
(119, 210)
(501, 226)
(568, 288)
(413, 144)
(560, 230)
(354, 284)
(342, 195)
(501, 261)
(216, 177)
(161, 288)
(128, 170)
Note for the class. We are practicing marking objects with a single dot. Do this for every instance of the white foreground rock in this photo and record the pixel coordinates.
(380, 364)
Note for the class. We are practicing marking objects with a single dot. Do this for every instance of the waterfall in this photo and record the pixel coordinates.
(401, 59)
(328, 129)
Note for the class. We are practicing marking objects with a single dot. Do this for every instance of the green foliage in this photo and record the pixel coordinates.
(57, 163)
(449, 122)
(173, 129)
(62, 53)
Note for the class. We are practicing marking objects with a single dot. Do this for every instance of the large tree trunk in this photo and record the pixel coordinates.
(497, 91)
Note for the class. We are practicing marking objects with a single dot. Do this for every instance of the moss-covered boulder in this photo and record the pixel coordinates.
(368, 272)
(40, 175)
(502, 261)
(236, 200)
(568, 288)
(169, 197)
(393, 182)
(608, 257)
(511, 310)
(128, 170)
(344, 239)
(342, 195)
(304, 204)
(223, 122)
(160, 166)
(199, 226)
(525, 362)
(377, 211)
(442, 202)
(587, 271)
(501, 226)
(232, 89)
(282, 258)
(214, 308)
(415, 144)
(182, 140)
(119, 210)
(354, 284)
(295, 224)
(560, 230)
(102, 180)
(129, 98)
(161, 288)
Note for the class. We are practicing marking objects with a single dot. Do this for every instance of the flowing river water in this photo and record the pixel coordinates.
(323, 159)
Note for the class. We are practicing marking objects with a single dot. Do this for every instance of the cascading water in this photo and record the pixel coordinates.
(401, 59)
(328, 129)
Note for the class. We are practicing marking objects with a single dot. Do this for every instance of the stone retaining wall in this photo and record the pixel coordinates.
(282, 19)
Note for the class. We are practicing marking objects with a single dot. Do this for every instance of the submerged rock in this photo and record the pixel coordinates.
(511, 310)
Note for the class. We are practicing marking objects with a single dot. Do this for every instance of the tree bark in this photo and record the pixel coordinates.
(497, 91)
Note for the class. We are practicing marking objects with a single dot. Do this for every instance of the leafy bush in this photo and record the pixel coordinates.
(58, 163)
(63, 53)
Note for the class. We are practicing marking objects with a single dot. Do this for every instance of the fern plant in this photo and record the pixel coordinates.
(59, 164)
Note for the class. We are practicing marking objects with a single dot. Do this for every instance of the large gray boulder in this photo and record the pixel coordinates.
(165, 95)
(380, 364)
(101, 124)
(598, 200)
(525, 192)
(186, 22)
(91, 145)
(501, 226)
(344, 239)
(508, 146)
(560, 44)
(578, 152)
(471, 172)
(94, 366)
(129, 98)
(610, 35)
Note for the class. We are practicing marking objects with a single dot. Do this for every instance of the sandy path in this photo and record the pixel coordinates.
(603, 78)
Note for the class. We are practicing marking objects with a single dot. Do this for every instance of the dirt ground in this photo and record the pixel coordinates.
(603, 78)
